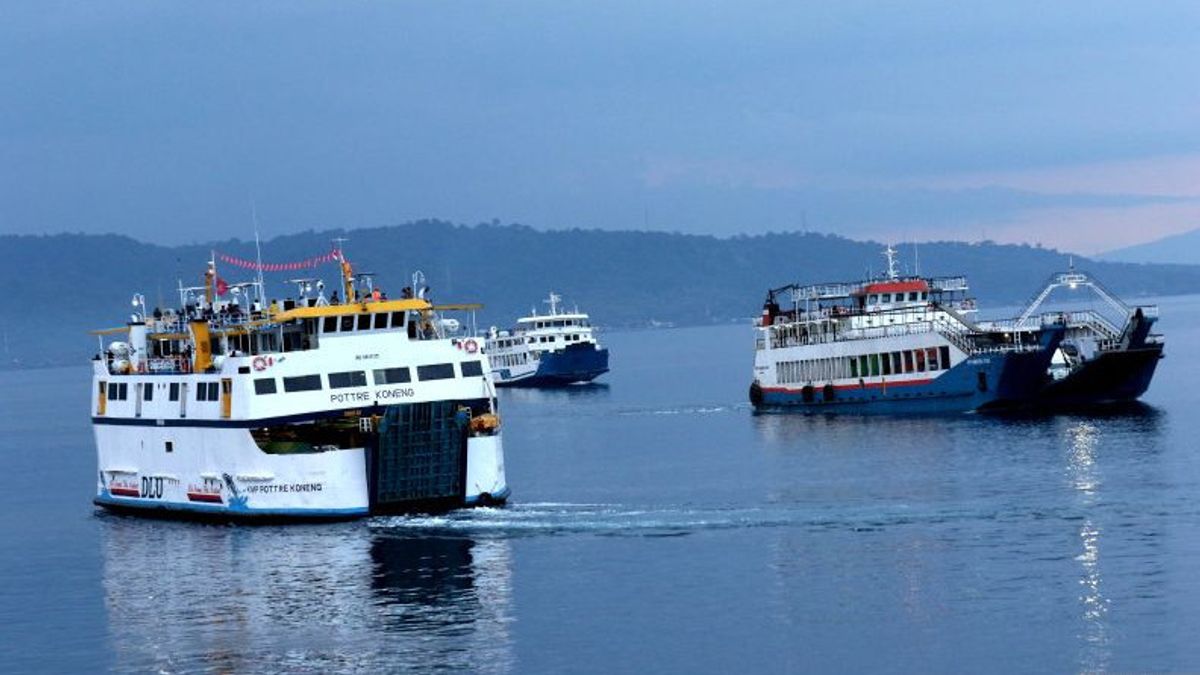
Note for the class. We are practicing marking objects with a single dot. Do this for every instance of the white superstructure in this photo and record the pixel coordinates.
(547, 349)
(304, 408)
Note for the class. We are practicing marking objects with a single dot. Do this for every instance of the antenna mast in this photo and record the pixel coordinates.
(262, 289)
(890, 254)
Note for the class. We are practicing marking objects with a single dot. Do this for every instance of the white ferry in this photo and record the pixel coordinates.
(548, 350)
(306, 408)
(892, 345)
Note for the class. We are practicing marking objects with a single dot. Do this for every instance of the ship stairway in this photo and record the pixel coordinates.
(1092, 323)
(957, 335)
(418, 458)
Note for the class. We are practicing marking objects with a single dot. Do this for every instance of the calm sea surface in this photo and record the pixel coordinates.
(656, 525)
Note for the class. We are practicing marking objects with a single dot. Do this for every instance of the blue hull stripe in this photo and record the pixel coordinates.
(183, 509)
(210, 509)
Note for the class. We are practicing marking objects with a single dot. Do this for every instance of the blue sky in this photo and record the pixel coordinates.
(1070, 124)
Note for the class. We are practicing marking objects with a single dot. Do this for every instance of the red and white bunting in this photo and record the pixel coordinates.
(332, 256)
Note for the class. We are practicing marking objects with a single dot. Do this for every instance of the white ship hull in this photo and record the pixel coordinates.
(222, 472)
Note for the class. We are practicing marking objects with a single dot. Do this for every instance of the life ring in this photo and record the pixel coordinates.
(260, 363)
(471, 346)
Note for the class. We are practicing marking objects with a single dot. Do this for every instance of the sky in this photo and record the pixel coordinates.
(1066, 124)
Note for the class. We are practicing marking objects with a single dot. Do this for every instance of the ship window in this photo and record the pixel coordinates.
(853, 367)
(912, 297)
(173, 394)
(873, 300)
(397, 319)
(148, 391)
(471, 368)
(381, 320)
(264, 385)
(874, 365)
(896, 363)
(908, 362)
(364, 322)
(351, 378)
(112, 392)
(347, 322)
(302, 383)
(435, 371)
(887, 365)
(392, 376)
(330, 324)
(924, 296)
(170, 446)
(945, 352)
(862, 365)
(920, 360)
(318, 436)
(886, 297)
(932, 358)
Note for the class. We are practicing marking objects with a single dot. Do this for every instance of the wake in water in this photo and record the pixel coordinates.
(549, 518)
(687, 410)
(559, 518)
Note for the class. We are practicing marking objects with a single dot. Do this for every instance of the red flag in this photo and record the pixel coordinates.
(222, 286)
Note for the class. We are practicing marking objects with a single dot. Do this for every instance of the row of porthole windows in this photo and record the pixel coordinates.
(119, 391)
(358, 378)
(351, 322)
(505, 344)
(913, 296)
(896, 363)
(508, 360)
(864, 365)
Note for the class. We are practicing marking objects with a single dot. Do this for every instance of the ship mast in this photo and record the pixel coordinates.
(890, 254)
(347, 270)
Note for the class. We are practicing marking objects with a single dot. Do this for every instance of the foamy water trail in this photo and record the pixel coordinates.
(605, 519)
(556, 518)
(686, 410)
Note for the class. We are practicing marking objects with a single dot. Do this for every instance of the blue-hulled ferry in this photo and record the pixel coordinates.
(891, 345)
(1108, 355)
(546, 350)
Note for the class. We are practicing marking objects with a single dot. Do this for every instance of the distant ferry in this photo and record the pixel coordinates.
(892, 345)
(304, 409)
(1105, 357)
(547, 350)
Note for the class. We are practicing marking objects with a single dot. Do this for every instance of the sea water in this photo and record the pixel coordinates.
(656, 525)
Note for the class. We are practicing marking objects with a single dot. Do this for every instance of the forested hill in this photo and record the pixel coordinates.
(58, 287)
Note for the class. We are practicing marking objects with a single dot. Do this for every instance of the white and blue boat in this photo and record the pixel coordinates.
(546, 350)
(891, 345)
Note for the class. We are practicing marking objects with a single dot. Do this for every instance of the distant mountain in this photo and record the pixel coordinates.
(1181, 249)
(58, 287)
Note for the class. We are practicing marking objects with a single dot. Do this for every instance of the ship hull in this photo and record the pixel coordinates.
(219, 472)
(1118, 376)
(985, 382)
(573, 365)
(971, 385)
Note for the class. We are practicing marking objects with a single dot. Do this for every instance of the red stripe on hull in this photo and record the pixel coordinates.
(204, 497)
(125, 492)
(842, 387)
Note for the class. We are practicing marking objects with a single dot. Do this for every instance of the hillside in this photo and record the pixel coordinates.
(58, 287)
(1181, 249)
